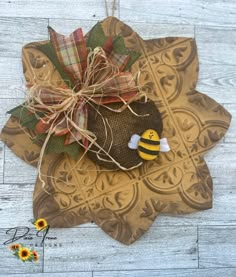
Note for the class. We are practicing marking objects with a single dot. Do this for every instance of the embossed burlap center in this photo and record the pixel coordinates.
(125, 204)
(122, 127)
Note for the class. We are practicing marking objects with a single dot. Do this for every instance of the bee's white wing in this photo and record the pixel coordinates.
(164, 146)
(133, 143)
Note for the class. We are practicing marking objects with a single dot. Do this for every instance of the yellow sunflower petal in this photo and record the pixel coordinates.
(40, 223)
(24, 253)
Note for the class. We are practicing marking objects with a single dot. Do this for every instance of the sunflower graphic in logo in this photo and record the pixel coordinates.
(24, 254)
(40, 224)
(15, 246)
(35, 255)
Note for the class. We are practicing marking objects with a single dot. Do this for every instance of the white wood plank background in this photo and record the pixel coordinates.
(201, 244)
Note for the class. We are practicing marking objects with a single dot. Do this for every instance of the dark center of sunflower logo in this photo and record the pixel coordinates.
(24, 253)
(41, 224)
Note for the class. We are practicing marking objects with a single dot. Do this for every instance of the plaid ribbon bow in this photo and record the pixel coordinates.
(75, 59)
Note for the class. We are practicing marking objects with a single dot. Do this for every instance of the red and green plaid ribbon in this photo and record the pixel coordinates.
(72, 54)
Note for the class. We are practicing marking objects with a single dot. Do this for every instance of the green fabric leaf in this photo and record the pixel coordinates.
(134, 56)
(25, 118)
(96, 37)
(48, 50)
(120, 48)
(39, 139)
(15, 110)
(56, 145)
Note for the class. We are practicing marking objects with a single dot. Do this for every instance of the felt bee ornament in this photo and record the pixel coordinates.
(148, 144)
(122, 137)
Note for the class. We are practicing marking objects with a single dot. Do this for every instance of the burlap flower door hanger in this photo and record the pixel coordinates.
(116, 128)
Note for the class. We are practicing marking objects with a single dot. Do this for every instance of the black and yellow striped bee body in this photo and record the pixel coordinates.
(149, 145)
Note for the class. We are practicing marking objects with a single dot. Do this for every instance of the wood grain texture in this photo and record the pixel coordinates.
(218, 81)
(231, 136)
(6, 105)
(197, 12)
(11, 87)
(217, 246)
(89, 249)
(67, 26)
(1, 161)
(226, 272)
(16, 32)
(58, 274)
(21, 211)
(216, 44)
(215, 158)
(149, 31)
(11, 207)
(146, 31)
(25, 173)
(92, 9)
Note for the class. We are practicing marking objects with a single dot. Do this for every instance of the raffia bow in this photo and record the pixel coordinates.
(96, 77)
